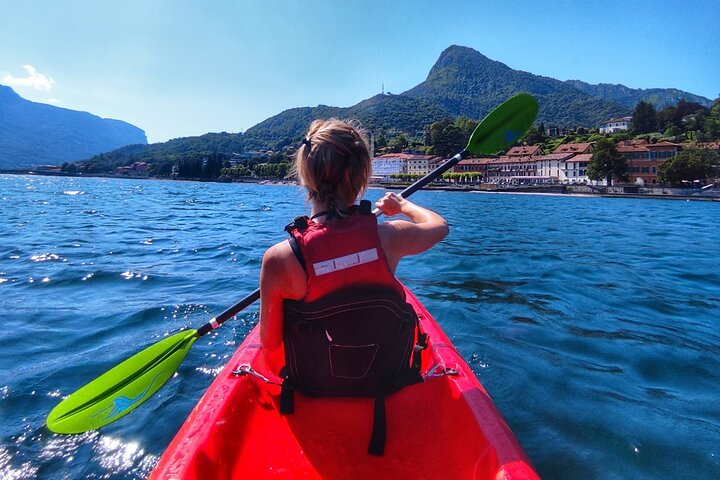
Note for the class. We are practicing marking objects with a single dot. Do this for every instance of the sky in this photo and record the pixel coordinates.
(183, 68)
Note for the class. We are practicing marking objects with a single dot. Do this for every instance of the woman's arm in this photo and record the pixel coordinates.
(401, 238)
(281, 277)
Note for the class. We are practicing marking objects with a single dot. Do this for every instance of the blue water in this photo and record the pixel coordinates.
(592, 322)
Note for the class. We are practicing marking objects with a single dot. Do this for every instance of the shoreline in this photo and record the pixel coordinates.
(547, 190)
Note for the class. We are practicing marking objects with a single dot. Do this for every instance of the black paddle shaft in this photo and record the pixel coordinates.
(229, 313)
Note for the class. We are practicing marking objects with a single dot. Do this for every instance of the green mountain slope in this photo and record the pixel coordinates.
(660, 97)
(392, 113)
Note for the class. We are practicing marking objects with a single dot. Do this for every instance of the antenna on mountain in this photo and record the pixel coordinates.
(383, 89)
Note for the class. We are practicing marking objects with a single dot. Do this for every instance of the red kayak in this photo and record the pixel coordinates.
(443, 428)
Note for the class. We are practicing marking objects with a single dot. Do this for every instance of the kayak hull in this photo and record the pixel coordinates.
(446, 427)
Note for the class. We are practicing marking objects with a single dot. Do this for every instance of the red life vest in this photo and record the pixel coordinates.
(344, 252)
(353, 334)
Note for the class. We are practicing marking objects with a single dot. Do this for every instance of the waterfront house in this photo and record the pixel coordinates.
(511, 170)
(552, 166)
(616, 125)
(574, 169)
(473, 165)
(644, 158)
(421, 164)
(384, 166)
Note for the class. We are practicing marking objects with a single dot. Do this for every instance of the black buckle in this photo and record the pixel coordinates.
(300, 223)
(365, 207)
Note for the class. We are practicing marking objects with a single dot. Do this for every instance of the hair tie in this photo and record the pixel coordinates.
(306, 141)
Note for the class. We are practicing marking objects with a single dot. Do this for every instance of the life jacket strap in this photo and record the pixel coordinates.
(296, 251)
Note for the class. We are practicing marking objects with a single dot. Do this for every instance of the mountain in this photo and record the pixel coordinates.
(391, 113)
(462, 82)
(660, 97)
(35, 133)
(466, 82)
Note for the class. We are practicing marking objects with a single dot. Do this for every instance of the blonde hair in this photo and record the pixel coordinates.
(333, 163)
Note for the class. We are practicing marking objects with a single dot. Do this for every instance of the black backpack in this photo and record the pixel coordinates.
(358, 342)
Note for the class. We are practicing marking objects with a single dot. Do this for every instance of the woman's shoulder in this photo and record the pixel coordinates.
(278, 254)
(283, 271)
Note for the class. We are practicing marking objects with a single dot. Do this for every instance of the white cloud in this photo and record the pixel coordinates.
(54, 101)
(35, 79)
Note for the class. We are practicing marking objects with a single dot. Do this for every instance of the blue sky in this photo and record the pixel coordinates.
(180, 68)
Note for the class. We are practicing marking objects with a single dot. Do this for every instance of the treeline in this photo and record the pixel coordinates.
(262, 170)
(684, 121)
(201, 166)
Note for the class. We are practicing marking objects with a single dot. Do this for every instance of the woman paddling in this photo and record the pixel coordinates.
(329, 294)
(334, 166)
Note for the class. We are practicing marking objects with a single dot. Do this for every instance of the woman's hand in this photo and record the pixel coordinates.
(391, 204)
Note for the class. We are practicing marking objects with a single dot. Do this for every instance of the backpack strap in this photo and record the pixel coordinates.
(379, 428)
(287, 398)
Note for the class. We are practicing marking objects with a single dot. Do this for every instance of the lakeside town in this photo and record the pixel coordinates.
(668, 153)
(529, 165)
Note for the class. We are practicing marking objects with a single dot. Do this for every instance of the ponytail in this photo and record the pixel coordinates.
(333, 164)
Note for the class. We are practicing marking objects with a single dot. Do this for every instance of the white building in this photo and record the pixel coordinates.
(396, 163)
(386, 165)
(574, 169)
(616, 125)
(422, 164)
(552, 165)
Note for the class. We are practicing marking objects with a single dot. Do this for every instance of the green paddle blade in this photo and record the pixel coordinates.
(504, 125)
(119, 390)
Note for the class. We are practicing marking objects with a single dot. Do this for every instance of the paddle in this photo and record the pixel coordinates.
(121, 389)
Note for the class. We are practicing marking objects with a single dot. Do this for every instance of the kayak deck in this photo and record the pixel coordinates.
(446, 427)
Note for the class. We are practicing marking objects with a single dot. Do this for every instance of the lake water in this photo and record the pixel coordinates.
(592, 322)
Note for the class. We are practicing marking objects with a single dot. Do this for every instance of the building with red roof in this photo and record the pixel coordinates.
(644, 158)
(524, 151)
(574, 148)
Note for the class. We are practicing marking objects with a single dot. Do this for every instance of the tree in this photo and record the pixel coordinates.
(606, 162)
(398, 143)
(644, 118)
(669, 117)
(446, 138)
(712, 123)
(534, 136)
(688, 165)
(466, 124)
